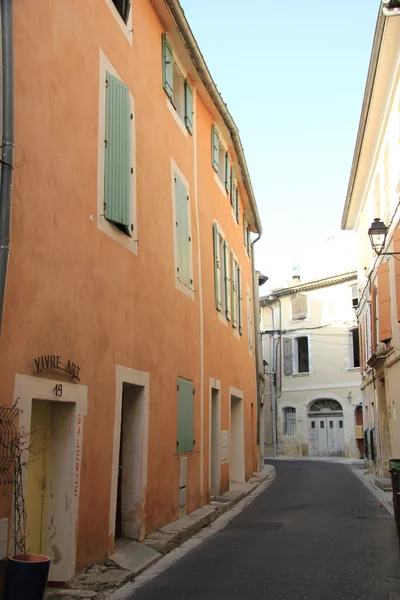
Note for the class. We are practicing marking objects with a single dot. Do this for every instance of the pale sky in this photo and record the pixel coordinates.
(293, 76)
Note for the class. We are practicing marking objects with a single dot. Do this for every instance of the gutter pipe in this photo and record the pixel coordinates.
(205, 75)
(256, 350)
(7, 149)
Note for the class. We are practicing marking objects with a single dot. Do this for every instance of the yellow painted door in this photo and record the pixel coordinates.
(37, 480)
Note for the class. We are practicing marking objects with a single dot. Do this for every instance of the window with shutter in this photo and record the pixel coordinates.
(176, 86)
(185, 441)
(240, 299)
(168, 67)
(288, 356)
(215, 148)
(227, 173)
(217, 267)
(117, 167)
(227, 282)
(123, 7)
(237, 205)
(183, 237)
(249, 319)
(299, 307)
(234, 267)
(188, 107)
(385, 324)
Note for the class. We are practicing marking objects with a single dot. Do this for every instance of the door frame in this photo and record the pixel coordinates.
(214, 385)
(239, 450)
(26, 389)
(140, 379)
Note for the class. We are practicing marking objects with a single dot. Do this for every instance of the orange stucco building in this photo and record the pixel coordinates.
(127, 333)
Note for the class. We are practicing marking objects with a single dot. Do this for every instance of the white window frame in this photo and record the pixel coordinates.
(351, 366)
(126, 28)
(289, 426)
(189, 292)
(296, 371)
(236, 266)
(221, 281)
(179, 118)
(221, 170)
(130, 243)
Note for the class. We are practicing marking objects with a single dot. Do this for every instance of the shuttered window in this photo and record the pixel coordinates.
(215, 148)
(385, 324)
(123, 7)
(168, 68)
(246, 235)
(288, 356)
(373, 316)
(188, 107)
(227, 173)
(361, 338)
(117, 169)
(227, 282)
(234, 278)
(217, 267)
(240, 300)
(396, 248)
(183, 237)
(249, 319)
(299, 307)
(185, 441)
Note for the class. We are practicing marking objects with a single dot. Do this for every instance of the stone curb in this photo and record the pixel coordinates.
(163, 541)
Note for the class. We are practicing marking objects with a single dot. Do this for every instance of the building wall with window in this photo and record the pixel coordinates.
(114, 270)
(373, 193)
(310, 344)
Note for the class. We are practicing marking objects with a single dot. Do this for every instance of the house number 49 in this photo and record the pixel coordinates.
(58, 390)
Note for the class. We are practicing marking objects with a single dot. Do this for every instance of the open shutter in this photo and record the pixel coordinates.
(217, 269)
(214, 148)
(396, 248)
(373, 317)
(117, 168)
(227, 282)
(240, 299)
(185, 441)
(188, 107)
(361, 346)
(245, 231)
(233, 187)
(385, 324)
(182, 231)
(227, 173)
(249, 320)
(234, 290)
(237, 204)
(288, 355)
(168, 67)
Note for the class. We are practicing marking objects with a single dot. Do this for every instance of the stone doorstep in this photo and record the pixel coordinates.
(132, 558)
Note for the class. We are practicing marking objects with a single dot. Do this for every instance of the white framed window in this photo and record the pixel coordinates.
(289, 421)
(354, 296)
(177, 88)
(354, 348)
(182, 232)
(222, 279)
(116, 180)
(296, 355)
(246, 236)
(122, 11)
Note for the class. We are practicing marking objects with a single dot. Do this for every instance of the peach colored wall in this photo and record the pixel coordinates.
(74, 291)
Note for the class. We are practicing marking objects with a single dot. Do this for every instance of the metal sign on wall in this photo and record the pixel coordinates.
(52, 362)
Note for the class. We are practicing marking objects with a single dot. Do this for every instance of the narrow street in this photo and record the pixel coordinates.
(317, 533)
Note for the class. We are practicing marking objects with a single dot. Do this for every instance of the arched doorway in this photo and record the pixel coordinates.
(326, 428)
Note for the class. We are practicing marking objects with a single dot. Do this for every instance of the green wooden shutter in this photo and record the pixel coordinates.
(117, 167)
(214, 148)
(227, 280)
(240, 299)
(234, 290)
(188, 107)
(233, 187)
(217, 269)
(182, 231)
(249, 320)
(245, 233)
(185, 441)
(168, 67)
(227, 173)
(237, 202)
(288, 355)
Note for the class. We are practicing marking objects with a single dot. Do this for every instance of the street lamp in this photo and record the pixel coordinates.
(377, 236)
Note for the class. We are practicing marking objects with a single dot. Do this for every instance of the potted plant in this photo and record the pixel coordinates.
(26, 573)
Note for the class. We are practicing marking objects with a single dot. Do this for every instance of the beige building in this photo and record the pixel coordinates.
(373, 193)
(311, 358)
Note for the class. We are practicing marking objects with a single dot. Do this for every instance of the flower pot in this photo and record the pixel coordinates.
(26, 577)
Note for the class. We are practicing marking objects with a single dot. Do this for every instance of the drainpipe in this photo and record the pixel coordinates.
(273, 386)
(256, 330)
(7, 150)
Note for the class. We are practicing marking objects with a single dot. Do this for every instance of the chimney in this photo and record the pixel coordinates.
(295, 275)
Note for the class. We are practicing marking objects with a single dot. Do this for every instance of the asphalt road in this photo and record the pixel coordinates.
(317, 533)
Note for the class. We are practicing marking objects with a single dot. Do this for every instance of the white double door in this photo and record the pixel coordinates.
(326, 435)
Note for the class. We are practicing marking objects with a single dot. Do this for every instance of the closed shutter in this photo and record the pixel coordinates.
(227, 173)
(361, 333)
(245, 233)
(373, 317)
(168, 67)
(117, 168)
(240, 300)
(217, 269)
(288, 355)
(249, 320)
(396, 248)
(385, 324)
(237, 204)
(185, 441)
(188, 107)
(227, 282)
(214, 148)
(234, 290)
(182, 231)
(299, 307)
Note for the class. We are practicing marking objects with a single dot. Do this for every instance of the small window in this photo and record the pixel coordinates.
(354, 296)
(330, 424)
(354, 348)
(176, 86)
(322, 425)
(340, 424)
(312, 424)
(301, 353)
(289, 421)
(123, 7)
(299, 307)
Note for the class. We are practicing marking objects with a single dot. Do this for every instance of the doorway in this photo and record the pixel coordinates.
(237, 470)
(129, 520)
(215, 453)
(326, 428)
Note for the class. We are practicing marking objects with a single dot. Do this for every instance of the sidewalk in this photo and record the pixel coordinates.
(132, 558)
